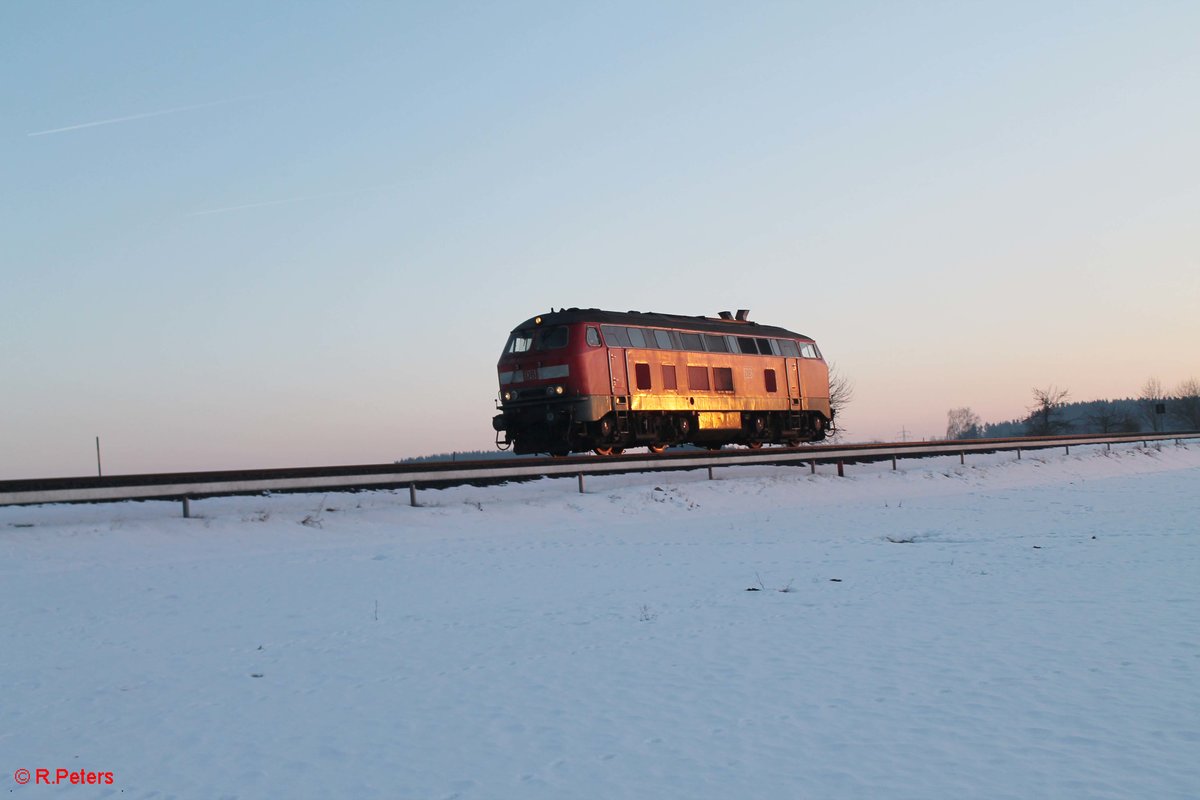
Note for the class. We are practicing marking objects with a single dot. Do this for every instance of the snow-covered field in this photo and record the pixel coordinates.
(1007, 629)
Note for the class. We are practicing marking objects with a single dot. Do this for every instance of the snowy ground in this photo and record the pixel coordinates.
(1008, 629)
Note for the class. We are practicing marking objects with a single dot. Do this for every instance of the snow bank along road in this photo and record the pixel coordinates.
(1005, 629)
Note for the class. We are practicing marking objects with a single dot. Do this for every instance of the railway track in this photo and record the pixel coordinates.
(186, 486)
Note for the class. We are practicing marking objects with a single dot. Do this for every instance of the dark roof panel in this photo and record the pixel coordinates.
(650, 319)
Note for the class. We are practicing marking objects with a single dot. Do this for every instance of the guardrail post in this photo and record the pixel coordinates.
(1108, 447)
(412, 494)
(813, 466)
(710, 477)
(893, 461)
(187, 509)
(841, 468)
(1068, 448)
(962, 457)
(581, 483)
(1018, 454)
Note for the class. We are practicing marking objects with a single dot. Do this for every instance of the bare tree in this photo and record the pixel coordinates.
(841, 390)
(962, 423)
(1186, 406)
(1111, 420)
(1152, 403)
(1045, 417)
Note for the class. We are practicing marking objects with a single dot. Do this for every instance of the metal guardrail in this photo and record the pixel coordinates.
(190, 486)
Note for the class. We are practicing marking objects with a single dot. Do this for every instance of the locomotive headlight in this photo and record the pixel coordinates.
(553, 390)
(508, 396)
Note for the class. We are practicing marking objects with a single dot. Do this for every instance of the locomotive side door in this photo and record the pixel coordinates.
(795, 392)
(617, 373)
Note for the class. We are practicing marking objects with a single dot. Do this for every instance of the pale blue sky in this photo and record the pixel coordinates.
(264, 234)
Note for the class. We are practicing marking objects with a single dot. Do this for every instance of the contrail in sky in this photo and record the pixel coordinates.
(131, 117)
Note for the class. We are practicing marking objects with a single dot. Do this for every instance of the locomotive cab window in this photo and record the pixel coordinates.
(551, 338)
(788, 348)
(593, 337)
(808, 350)
(636, 338)
(642, 373)
(519, 342)
(769, 380)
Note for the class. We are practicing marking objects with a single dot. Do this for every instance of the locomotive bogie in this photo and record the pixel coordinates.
(579, 380)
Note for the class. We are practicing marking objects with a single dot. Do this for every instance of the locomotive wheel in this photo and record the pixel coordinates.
(604, 451)
(754, 445)
(793, 442)
(616, 451)
(657, 449)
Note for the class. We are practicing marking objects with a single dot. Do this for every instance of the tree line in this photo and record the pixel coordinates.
(1154, 410)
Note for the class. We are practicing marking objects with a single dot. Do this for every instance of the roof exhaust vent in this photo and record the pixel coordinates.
(725, 314)
(743, 315)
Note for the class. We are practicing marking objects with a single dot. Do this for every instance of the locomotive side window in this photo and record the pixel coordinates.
(663, 338)
(715, 344)
(593, 337)
(788, 348)
(651, 339)
(615, 336)
(747, 345)
(669, 381)
(808, 350)
(636, 338)
(698, 379)
(723, 379)
(691, 341)
(642, 372)
(520, 342)
(764, 346)
(769, 380)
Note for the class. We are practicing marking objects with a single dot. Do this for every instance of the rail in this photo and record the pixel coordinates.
(185, 487)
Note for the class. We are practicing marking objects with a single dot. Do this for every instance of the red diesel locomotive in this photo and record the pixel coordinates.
(583, 379)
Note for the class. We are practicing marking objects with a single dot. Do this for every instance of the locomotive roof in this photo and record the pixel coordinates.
(648, 318)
